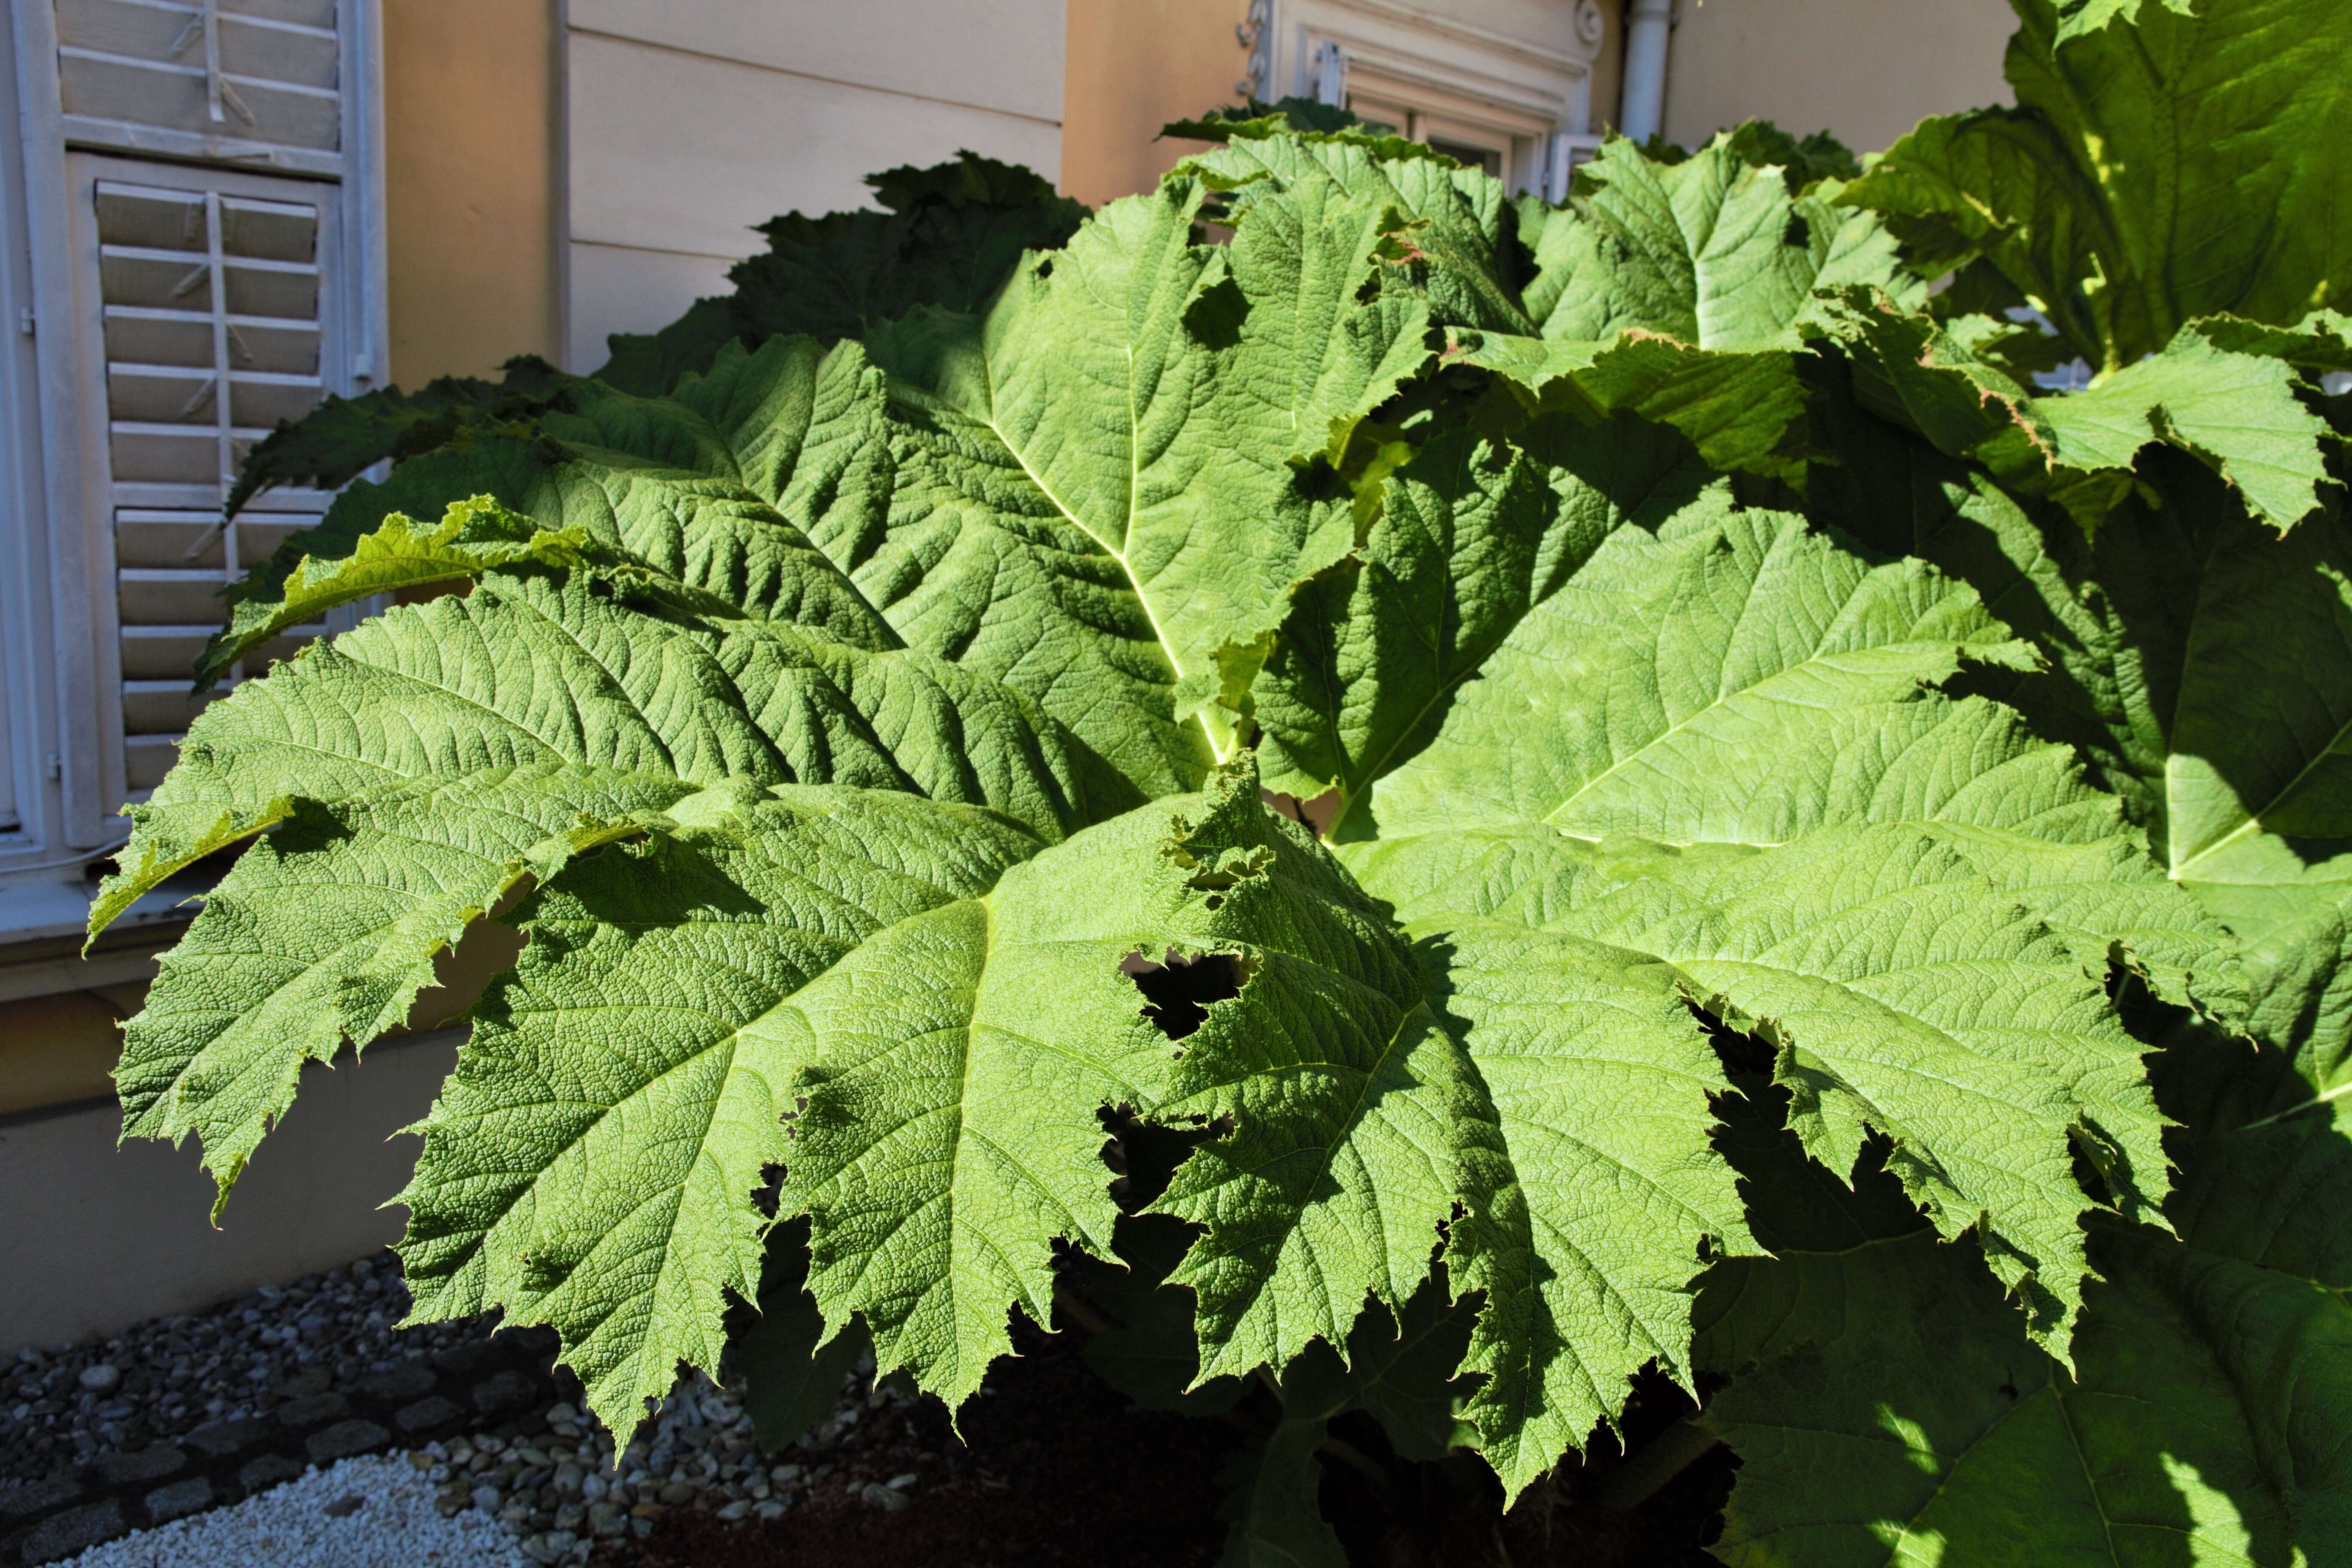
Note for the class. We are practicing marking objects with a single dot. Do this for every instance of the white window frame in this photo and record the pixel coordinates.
(1527, 100)
(24, 553)
(58, 620)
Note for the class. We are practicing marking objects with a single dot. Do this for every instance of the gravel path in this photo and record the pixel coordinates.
(189, 1417)
(165, 1378)
(180, 1415)
(372, 1512)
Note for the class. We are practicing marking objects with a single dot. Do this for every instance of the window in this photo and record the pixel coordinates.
(1496, 91)
(202, 209)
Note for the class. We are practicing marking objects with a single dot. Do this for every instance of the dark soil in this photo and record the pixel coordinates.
(1451, 1515)
(1055, 1469)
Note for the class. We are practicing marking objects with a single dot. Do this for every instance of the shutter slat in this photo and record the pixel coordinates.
(158, 337)
(287, 346)
(146, 759)
(168, 540)
(317, 14)
(154, 454)
(151, 219)
(165, 395)
(278, 54)
(265, 400)
(170, 33)
(269, 231)
(109, 87)
(158, 282)
(162, 707)
(163, 653)
(257, 290)
(264, 71)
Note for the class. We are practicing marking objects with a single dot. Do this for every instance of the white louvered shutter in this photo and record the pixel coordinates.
(221, 262)
(212, 326)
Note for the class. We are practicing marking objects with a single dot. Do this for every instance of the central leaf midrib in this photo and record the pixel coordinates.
(1676, 728)
(1116, 552)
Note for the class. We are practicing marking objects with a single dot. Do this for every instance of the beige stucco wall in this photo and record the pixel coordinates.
(472, 184)
(1866, 70)
(1134, 65)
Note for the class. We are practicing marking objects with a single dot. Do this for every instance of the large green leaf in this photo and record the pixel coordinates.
(1717, 686)
(637, 480)
(1349, 1103)
(317, 935)
(1124, 554)
(1146, 1348)
(416, 769)
(1931, 1431)
(1399, 1370)
(1271, 1502)
(1371, 1089)
(938, 526)
(1743, 410)
(2198, 662)
(1343, 1077)
(1718, 750)
(1441, 230)
(1347, 1112)
(2157, 167)
(1471, 534)
(591, 1163)
(863, 743)
(698, 488)
(792, 1375)
(1207, 372)
(1594, 1194)
(476, 536)
(344, 437)
(951, 235)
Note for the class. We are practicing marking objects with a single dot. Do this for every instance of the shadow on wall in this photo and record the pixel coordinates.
(97, 1237)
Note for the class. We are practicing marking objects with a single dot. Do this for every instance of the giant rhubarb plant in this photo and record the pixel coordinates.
(1821, 860)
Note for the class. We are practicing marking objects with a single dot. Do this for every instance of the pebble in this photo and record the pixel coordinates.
(882, 1496)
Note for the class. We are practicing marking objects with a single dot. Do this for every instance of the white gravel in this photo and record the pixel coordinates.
(395, 1525)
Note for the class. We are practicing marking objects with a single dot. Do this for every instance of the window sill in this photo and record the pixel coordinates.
(42, 926)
